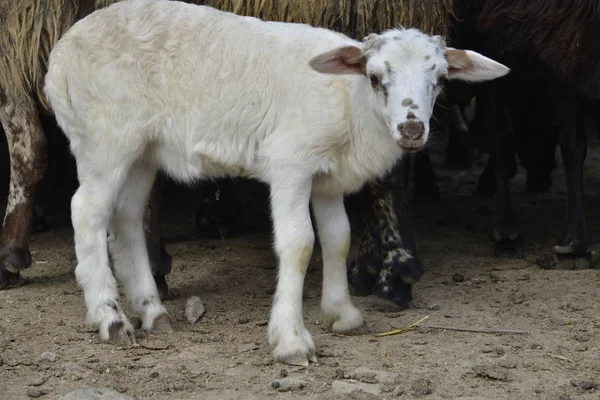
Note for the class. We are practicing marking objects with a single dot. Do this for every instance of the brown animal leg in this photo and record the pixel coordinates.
(160, 260)
(28, 160)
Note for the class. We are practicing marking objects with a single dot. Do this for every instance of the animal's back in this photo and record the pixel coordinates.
(188, 77)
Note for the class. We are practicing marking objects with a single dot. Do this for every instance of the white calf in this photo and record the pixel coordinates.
(146, 85)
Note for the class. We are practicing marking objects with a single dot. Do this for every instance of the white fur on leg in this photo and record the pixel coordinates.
(128, 249)
(294, 239)
(334, 234)
(90, 213)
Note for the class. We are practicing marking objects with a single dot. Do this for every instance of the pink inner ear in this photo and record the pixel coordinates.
(458, 60)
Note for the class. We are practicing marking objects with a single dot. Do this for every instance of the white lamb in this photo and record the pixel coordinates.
(147, 85)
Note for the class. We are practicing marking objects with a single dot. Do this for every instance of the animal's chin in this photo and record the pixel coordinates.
(410, 146)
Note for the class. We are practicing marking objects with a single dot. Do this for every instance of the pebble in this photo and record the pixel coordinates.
(154, 375)
(422, 387)
(434, 307)
(194, 309)
(35, 392)
(289, 384)
(37, 382)
(348, 388)
(509, 364)
(48, 356)
(458, 278)
(584, 385)
(367, 375)
(248, 347)
(95, 394)
(582, 337)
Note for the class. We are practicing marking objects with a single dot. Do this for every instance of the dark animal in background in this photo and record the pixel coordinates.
(557, 42)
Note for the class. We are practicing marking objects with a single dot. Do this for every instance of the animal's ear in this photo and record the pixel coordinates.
(343, 60)
(470, 66)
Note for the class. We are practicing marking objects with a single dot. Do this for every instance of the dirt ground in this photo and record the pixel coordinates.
(225, 354)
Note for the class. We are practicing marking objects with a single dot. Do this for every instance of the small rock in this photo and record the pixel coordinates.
(373, 376)
(35, 392)
(243, 321)
(95, 394)
(434, 307)
(289, 384)
(584, 385)
(509, 364)
(48, 356)
(248, 347)
(422, 387)
(490, 372)
(73, 369)
(398, 391)
(582, 337)
(262, 323)
(564, 397)
(546, 261)
(349, 388)
(283, 373)
(235, 371)
(154, 375)
(458, 278)
(37, 382)
(194, 309)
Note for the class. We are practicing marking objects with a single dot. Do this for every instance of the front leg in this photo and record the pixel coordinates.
(294, 240)
(334, 234)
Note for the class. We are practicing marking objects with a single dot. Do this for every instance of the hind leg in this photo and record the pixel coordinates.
(28, 159)
(160, 260)
(91, 209)
(127, 246)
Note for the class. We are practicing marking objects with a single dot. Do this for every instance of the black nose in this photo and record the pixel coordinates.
(412, 129)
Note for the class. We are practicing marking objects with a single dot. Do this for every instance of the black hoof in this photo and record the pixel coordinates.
(508, 246)
(9, 279)
(397, 292)
(572, 260)
(15, 259)
(362, 277)
(402, 267)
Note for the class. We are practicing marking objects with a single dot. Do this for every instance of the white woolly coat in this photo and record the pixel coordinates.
(201, 92)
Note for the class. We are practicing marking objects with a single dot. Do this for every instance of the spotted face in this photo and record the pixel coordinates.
(404, 72)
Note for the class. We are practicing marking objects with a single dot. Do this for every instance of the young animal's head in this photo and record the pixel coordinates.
(406, 70)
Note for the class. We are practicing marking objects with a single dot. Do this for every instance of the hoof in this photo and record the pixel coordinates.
(345, 319)
(573, 261)
(300, 357)
(397, 293)
(508, 246)
(362, 279)
(162, 324)
(10, 279)
(120, 334)
(15, 259)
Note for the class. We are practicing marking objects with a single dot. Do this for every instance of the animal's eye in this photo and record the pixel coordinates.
(374, 80)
